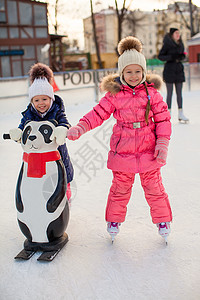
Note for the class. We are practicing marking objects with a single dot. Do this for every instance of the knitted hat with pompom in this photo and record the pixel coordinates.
(41, 77)
(129, 50)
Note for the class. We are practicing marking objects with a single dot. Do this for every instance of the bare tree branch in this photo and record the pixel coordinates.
(120, 17)
(95, 36)
(177, 8)
(191, 25)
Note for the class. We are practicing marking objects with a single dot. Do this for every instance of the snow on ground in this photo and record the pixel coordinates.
(138, 265)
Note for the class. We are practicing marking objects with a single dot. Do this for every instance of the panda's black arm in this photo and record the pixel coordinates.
(60, 191)
(18, 199)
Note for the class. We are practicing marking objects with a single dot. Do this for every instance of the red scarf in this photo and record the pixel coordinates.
(37, 162)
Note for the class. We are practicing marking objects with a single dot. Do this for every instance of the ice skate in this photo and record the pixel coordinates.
(164, 229)
(113, 229)
(181, 117)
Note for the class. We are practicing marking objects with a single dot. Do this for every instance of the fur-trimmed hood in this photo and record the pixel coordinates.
(111, 83)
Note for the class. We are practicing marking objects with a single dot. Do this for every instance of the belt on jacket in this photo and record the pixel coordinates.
(133, 125)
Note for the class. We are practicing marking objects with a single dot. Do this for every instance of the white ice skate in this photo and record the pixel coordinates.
(113, 229)
(181, 117)
(164, 230)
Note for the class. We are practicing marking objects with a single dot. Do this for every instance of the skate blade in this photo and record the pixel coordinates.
(112, 237)
(166, 242)
(183, 122)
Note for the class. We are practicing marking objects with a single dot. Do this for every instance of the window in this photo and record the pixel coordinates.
(14, 33)
(27, 64)
(2, 12)
(3, 33)
(17, 71)
(2, 4)
(29, 52)
(40, 15)
(5, 66)
(27, 33)
(12, 12)
(25, 12)
(41, 33)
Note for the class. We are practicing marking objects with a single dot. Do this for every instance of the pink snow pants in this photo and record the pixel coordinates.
(120, 193)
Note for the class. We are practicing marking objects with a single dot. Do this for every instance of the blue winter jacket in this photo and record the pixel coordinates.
(56, 112)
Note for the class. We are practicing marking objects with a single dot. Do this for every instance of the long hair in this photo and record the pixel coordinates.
(148, 107)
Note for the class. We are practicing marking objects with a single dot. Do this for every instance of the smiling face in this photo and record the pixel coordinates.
(41, 103)
(133, 74)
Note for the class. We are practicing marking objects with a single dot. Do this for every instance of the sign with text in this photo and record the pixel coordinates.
(84, 78)
(11, 52)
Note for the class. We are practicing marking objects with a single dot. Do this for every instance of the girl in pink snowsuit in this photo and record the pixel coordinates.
(140, 137)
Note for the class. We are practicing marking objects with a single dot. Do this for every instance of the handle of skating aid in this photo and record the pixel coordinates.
(6, 136)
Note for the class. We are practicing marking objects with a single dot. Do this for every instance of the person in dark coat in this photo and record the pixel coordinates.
(172, 52)
(43, 106)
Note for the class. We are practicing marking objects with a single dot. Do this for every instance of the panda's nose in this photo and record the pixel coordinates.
(32, 137)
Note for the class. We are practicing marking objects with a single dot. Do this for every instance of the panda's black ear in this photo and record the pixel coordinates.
(54, 122)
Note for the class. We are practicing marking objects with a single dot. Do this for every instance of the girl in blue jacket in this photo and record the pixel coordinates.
(44, 105)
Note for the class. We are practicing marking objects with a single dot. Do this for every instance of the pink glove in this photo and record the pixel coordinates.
(161, 150)
(75, 132)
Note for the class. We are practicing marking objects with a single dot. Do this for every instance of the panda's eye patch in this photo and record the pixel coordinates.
(46, 131)
(26, 134)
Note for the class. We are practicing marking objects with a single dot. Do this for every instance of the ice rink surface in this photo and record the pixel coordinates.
(138, 266)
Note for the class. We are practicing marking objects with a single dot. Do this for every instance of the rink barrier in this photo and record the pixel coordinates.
(76, 82)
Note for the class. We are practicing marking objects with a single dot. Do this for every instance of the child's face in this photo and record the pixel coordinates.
(42, 103)
(133, 74)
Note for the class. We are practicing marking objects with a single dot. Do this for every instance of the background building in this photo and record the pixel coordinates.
(106, 30)
(24, 37)
(194, 48)
(149, 27)
(25, 40)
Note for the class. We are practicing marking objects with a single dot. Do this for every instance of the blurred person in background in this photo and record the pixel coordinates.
(172, 52)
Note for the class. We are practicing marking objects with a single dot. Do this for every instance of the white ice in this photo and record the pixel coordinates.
(138, 265)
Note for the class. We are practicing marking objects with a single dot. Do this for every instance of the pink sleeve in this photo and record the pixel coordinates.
(101, 112)
(161, 116)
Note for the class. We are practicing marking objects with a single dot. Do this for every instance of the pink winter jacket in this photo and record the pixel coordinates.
(131, 149)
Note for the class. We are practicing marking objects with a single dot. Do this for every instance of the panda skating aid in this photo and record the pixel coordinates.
(25, 254)
(49, 255)
(41, 202)
(49, 251)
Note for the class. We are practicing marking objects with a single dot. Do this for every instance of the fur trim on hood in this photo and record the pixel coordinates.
(111, 83)
(155, 79)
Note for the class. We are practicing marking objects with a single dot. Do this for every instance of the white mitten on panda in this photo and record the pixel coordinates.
(60, 134)
(15, 134)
